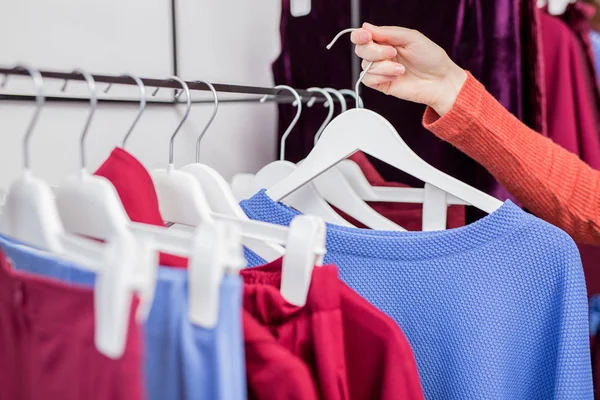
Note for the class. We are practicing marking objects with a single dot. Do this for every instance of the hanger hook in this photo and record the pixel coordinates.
(38, 82)
(340, 97)
(142, 90)
(358, 100)
(298, 104)
(328, 103)
(93, 105)
(363, 73)
(210, 121)
(188, 99)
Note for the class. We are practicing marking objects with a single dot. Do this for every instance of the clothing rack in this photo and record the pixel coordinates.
(257, 92)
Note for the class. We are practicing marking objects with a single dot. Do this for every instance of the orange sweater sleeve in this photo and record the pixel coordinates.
(550, 181)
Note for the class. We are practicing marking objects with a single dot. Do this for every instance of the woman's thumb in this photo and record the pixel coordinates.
(393, 35)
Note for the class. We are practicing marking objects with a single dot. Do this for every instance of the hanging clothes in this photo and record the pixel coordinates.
(47, 343)
(180, 360)
(482, 36)
(469, 309)
(350, 348)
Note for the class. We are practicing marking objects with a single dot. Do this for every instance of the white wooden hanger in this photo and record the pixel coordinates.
(306, 200)
(335, 189)
(31, 216)
(220, 197)
(365, 130)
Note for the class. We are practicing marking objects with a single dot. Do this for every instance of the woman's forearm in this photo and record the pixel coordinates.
(551, 182)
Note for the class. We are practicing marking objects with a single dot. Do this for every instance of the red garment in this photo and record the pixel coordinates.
(136, 190)
(409, 216)
(570, 110)
(268, 362)
(378, 359)
(47, 346)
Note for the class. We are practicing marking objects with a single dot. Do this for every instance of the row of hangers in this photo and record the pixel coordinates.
(87, 206)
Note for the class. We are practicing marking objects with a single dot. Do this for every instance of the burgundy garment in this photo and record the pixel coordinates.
(47, 348)
(272, 371)
(136, 190)
(570, 110)
(409, 216)
(352, 348)
(482, 36)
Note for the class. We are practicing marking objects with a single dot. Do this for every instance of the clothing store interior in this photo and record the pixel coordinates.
(299, 199)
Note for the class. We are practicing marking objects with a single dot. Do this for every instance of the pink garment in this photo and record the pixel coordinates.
(570, 110)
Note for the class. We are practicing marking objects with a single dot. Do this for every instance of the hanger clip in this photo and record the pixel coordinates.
(305, 248)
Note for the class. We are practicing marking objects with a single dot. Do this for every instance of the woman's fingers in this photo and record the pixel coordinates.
(394, 35)
(386, 68)
(375, 52)
(360, 36)
(373, 81)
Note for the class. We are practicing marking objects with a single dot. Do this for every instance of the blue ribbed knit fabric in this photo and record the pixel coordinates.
(493, 310)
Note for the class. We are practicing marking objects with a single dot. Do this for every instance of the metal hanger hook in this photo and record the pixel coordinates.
(142, 90)
(363, 73)
(298, 104)
(210, 121)
(188, 98)
(329, 102)
(38, 82)
(93, 105)
(340, 97)
(358, 100)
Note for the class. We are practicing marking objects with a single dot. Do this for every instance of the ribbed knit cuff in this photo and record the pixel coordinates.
(465, 110)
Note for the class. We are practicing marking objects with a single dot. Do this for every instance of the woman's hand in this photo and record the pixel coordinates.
(409, 66)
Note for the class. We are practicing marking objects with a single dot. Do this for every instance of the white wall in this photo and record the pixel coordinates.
(225, 41)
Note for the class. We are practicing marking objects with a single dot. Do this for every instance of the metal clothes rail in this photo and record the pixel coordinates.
(279, 95)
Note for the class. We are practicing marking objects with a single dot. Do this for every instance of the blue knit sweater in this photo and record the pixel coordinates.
(493, 310)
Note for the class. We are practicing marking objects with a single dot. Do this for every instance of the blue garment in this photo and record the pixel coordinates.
(595, 39)
(493, 310)
(183, 361)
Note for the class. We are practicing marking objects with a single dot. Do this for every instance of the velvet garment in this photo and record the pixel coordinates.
(482, 36)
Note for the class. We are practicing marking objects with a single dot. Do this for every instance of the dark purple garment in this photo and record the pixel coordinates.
(480, 35)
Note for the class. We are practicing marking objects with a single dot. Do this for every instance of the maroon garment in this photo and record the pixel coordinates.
(314, 333)
(481, 36)
(570, 110)
(47, 348)
(272, 371)
(136, 191)
(351, 347)
(409, 216)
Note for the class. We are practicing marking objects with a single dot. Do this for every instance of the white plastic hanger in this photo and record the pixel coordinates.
(89, 205)
(306, 200)
(180, 197)
(29, 213)
(220, 197)
(335, 189)
(365, 130)
(435, 202)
